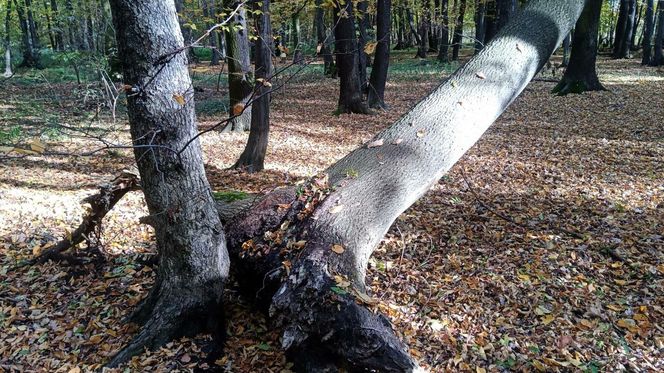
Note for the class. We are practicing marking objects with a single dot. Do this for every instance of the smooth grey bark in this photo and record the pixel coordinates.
(381, 63)
(581, 74)
(193, 260)
(8, 53)
(325, 330)
(458, 31)
(648, 31)
(658, 54)
(239, 70)
(253, 156)
(444, 39)
(324, 41)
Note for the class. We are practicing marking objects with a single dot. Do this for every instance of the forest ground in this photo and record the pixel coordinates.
(543, 248)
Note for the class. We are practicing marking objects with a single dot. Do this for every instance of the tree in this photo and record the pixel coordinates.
(480, 24)
(209, 14)
(346, 51)
(658, 57)
(193, 261)
(324, 41)
(423, 33)
(28, 30)
(649, 25)
(253, 156)
(239, 69)
(381, 62)
(363, 38)
(624, 28)
(336, 221)
(566, 49)
(581, 74)
(458, 31)
(444, 46)
(8, 53)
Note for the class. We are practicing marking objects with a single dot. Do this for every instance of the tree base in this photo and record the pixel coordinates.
(566, 86)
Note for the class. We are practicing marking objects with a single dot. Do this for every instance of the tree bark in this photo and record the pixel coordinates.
(324, 41)
(621, 47)
(658, 56)
(567, 43)
(345, 41)
(423, 33)
(298, 57)
(239, 71)
(324, 233)
(8, 53)
(444, 47)
(363, 38)
(30, 50)
(581, 74)
(635, 26)
(381, 63)
(253, 156)
(193, 261)
(458, 31)
(186, 31)
(480, 24)
(209, 14)
(649, 25)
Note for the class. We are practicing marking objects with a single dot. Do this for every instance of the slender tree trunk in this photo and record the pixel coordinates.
(480, 10)
(398, 25)
(32, 24)
(345, 40)
(8, 53)
(298, 57)
(209, 13)
(49, 26)
(57, 24)
(381, 63)
(193, 261)
(414, 35)
(423, 33)
(490, 20)
(623, 26)
(458, 31)
(566, 49)
(581, 74)
(635, 26)
(363, 38)
(649, 26)
(253, 156)
(444, 48)
(239, 71)
(658, 56)
(625, 47)
(324, 41)
(30, 50)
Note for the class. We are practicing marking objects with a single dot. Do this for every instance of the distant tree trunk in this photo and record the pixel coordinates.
(32, 24)
(649, 26)
(566, 49)
(444, 47)
(423, 33)
(253, 156)
(239, 71)
(581, 74)
(8, 53)
(345, 41)
(30, 50)
(458, 31)
(635, 26)
(658, 57)
(324, 41)
(57, 24)
(624, 28)
(209, 7)
(363, 38)
(506, 9)
(480, 24)
(490, 20)
(398, 25)
(298, 57)
(381, 62)
(413, 34)
(49, 26)
(193, 260)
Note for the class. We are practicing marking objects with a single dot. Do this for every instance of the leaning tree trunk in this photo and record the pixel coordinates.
(345, 41)
(193, 261)
(239, 70)
(581, 74)
(8, 53)
(381, 62)
(324, 41)
(658, 56)
(649, 25)
(458, 31)
(310, 268)
(253, 156)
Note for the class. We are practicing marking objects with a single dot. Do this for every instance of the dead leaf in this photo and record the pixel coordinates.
(375, 144)
(338, 249)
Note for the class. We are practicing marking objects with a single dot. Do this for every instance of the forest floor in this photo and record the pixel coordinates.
(542, 249)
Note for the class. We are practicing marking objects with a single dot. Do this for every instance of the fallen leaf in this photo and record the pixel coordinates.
(338, 249)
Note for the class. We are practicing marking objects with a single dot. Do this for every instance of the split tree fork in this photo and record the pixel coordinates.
(323, 234)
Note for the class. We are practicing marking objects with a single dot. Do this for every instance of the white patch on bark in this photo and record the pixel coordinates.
(8, 64)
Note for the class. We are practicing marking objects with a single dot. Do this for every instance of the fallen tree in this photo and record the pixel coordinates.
(302, 252)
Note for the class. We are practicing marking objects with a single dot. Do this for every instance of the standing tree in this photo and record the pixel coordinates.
(624, 28)
(480, 24)
(193, 261)
(381, 62)
(28, 32)
(581, 74)
(648, 29)
(8, 53)
(658, 56)
(324, 41)
(444, 46)
(253, 156)
(346, 51)
(239, 69)
(458, 31)
(329, 227)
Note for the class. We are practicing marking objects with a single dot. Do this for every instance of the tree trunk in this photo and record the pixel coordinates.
(326, 327)
(8, 53)
(566, 49)
(345, 41)
(381, 61)
(458, 31)
(635, 26)
(298, 57)
(480, 24)
(624, 28)
(490, 21)
(253, 156)
(323, 39)
(398, 25)
(363, 38)
(49, 26)
(581, 74)
(444, 48)
(625, 49)
(193, 261)
(658, 56)
(423, 33)
(209, 14)
(30, 50)
(58, 27)
(239, 71)
(649, 25)
(506, 9)
(186, 31)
